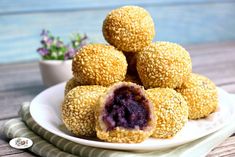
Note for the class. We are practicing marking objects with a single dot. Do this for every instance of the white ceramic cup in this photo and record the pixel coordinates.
(55, 71)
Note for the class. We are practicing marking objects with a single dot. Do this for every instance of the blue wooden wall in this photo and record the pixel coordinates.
(181, 21)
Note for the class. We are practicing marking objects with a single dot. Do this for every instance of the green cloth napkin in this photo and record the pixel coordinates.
(47, 144)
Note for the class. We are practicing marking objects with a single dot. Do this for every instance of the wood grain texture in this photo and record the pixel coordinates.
(20, 82)
(5, 149)
(21, 154)
(29, 6)
(185, 23)
(227, 148)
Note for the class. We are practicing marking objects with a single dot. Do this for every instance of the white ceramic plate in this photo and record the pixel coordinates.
(45, 110)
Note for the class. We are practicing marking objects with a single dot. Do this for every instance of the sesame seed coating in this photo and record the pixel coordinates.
(99, 64)
(201, 96)
(78, 109)
(163, 64)
(72, 83)
(120, 134)
(129, 28)
(170, 109)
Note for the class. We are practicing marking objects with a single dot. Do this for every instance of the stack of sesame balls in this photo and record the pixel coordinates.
(132, 77)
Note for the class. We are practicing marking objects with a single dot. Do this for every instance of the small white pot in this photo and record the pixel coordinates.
(55, 71)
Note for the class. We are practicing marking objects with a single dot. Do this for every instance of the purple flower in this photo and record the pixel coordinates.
(43, 51)
(47, 41)
(70, 53)
(59, 43)
(44, 32)
(54, 48)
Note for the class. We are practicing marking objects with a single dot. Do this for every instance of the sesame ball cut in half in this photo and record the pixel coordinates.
(99, 64)
(129, 28)
(163, 64)
(124, 114)
(201, 96)
(170, 109)
(70, 84)
(78, 109)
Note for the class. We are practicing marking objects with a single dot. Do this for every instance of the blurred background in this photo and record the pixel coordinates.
(181, 21)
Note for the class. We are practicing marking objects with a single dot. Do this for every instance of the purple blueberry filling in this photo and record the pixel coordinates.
(128, 108)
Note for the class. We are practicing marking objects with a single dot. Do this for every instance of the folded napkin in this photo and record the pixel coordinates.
(47, 144)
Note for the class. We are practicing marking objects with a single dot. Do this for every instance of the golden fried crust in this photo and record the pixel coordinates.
(78, 109)
(99, 64)
(129, 28)
(171, 111)
(201, 96)
(163, 64)
(72, 83)
(120, 134)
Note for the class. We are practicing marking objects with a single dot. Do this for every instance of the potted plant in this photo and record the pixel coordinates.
(56, 63)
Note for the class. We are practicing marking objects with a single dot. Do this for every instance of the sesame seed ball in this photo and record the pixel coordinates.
(99, 64)
(78, 109)
(70, 84)
(200, 94)
(163, 64)
(124, 114)
(129, 28)
(170, 109)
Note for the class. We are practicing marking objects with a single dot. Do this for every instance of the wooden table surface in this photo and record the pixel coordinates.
(22, 82)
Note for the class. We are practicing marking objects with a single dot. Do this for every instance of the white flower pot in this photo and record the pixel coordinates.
(55, 71)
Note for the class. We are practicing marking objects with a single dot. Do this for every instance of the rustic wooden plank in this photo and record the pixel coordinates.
(176, 23)
(11, 100)
(28, 6)
(19, 83)
(227, 148)
(23, 75)
(219, 73)
(213, 57)
(227, 142)
(210, 48)
(22, 154)
(6, 149)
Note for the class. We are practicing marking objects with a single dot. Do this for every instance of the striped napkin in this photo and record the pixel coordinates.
(47, 144)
